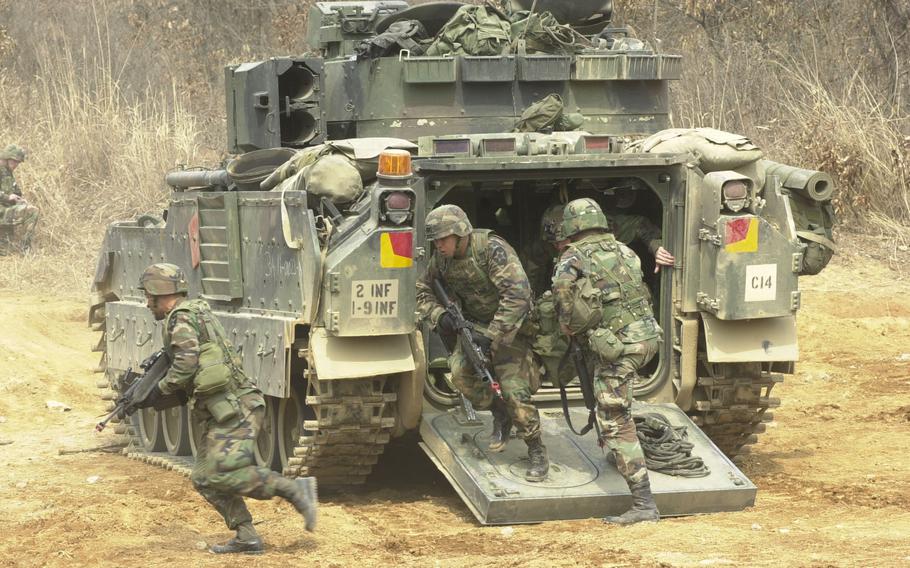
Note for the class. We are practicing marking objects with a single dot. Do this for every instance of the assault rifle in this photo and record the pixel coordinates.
(586, 382)
(470, 348)
(135, 388)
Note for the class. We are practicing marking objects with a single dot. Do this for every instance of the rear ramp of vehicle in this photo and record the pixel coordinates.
(581, 483)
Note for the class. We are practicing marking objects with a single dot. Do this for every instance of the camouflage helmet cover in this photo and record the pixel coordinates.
(447, 220)
(551, 223)
(163, 279)
(581, 215)
(13, 152)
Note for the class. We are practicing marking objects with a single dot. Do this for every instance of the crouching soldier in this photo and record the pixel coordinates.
(15, 211)
(483, 274)
(602, 303)
(206, 371)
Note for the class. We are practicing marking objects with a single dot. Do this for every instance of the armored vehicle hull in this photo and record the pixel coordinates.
(316, 286)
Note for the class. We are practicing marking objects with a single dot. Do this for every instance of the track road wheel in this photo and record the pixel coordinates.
(267, 441)
(176, 430)
(148, 426)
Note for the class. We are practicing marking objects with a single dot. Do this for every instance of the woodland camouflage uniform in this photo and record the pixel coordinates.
(491, 286)
(601, 299)
(629, 228)
(20, 214)
(228, 409)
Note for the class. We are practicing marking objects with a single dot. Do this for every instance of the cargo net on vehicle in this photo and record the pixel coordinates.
(666, 447)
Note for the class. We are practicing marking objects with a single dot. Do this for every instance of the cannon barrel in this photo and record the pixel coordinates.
(811, 184)
(198, 178)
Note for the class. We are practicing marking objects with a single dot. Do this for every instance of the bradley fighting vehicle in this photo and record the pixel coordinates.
(318, 297)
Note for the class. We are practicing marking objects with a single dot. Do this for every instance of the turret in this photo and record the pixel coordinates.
(617, 82)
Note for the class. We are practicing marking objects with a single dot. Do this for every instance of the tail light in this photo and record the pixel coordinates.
(736, 195)
(397, 206)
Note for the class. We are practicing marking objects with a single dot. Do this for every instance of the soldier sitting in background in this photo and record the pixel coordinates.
(206, 371)
(15, 211)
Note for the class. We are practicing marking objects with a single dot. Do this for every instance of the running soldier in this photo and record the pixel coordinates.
(205, 371)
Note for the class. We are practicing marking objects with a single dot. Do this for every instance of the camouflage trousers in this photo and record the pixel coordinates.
(226, 469)
(513, 365)
(613, 391)
(20, 218)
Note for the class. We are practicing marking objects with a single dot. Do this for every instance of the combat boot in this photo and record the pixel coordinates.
(539, 465)
(643, 506)
(502, 426)
(247, 541)
(301, 493)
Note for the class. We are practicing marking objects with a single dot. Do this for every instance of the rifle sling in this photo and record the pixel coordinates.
(592, 415)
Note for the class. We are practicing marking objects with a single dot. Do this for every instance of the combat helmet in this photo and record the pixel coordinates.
(581, 215)
(447, 220)
(13, 152)
(163, 279)
(551, 223)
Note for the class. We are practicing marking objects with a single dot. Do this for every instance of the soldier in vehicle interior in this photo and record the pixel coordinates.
(205, 371)
(540, 256)
(482, 273)
(540, 260)
(15, 211)
(629, 227)
(602, 303)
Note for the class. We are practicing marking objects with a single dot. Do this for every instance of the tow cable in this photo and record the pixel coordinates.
(666, 447)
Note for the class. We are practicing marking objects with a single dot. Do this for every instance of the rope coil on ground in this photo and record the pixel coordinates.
(666, 448)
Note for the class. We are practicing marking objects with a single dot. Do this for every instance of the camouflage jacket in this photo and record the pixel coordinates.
(635, 228)
(615, 270)
(489, 283)
(539, 260)
(194, 340)
(8, 185)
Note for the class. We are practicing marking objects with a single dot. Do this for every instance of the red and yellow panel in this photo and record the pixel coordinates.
(396, 250)
(741, 235)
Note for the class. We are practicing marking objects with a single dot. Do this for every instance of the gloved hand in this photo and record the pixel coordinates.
(484, 342)
(152, 399)
(446, 325)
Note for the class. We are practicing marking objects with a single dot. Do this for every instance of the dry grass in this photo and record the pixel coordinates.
(96, 155)
(110, 98)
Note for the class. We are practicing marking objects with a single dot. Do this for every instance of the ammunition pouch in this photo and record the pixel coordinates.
(222, 405)
(545, 310)
(605, 345)
(587, 309)
(213, 384)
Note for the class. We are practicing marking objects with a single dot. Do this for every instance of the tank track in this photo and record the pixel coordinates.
(734, 410)
(347, 432)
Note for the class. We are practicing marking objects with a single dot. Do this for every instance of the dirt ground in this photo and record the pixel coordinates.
(832, 471)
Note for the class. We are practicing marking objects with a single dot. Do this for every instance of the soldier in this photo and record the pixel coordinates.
(629, 228)
(484, 274)
(206, 371)
(14, 209)
(602, 302)
(539, 258)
